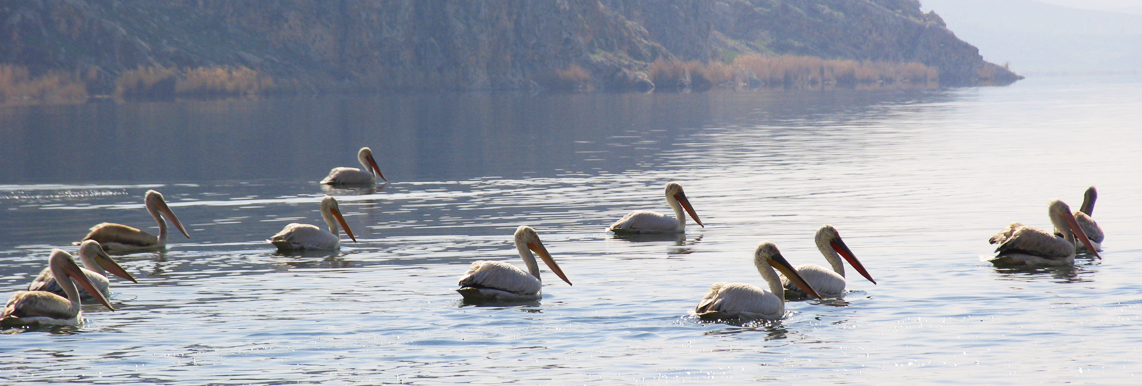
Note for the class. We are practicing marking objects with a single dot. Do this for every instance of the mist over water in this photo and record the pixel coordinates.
(915, 181)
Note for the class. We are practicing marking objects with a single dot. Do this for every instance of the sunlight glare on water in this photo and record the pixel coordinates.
(915, 181)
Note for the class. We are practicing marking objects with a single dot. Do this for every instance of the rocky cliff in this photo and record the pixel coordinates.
(467, 44)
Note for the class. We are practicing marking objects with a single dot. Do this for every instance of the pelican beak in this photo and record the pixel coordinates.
(373, 164)
(341, 219)
(166, 210)
(842, 249)
(793, 276)
(112, 266)
(681, 197)
(72, 271)
(1078, 231)
(538, 248)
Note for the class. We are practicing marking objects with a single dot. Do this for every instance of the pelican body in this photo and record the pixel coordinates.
(354, 176)
(499, 281)
(1088, 225)
(650, 222)
(95, 260)
(45, 308)
(830, 284)
(299, 237)
(746, 301)
(1023, 245)
(118, 238)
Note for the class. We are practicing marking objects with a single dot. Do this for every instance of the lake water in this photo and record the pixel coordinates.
(916, 182)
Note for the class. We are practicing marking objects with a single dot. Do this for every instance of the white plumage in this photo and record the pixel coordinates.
(746, 301)
(650, 222)
(298, 237)
(95, 260)
(1088, 225)
(118, 238)
(1023, 245)
(354, 176)
(499, 281)
(828, 283)
(40, 307)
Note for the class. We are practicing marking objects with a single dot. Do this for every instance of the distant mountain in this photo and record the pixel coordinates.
(1037, 37)
(468, 44)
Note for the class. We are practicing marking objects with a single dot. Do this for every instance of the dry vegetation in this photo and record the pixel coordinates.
(18, 86)
(164, 82)
(790, 72)
(572, 78)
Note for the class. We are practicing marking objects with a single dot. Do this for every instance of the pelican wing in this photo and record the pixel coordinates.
(645, 221)
(46, 282)
(500, 276)
(107, 233)
(348, 176)
(727, 300)
(1018, 238)
(1089, 227)
(304, 236)
(26, 304)
(826, 282)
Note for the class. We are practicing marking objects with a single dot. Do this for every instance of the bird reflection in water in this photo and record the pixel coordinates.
(773, 330)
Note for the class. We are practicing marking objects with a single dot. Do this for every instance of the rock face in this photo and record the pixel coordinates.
(468, 44)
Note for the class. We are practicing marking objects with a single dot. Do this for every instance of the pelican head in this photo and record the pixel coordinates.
(828, 240)
(674, 193)
(93, 256)
(155, 202)
(767, 256)
(1088, 201)
(365, 156)
(1065, 223)
(332, 215)
(527, 239)
(67, 274)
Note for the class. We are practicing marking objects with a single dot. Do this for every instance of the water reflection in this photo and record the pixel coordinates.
(773, 329)
(350, 190)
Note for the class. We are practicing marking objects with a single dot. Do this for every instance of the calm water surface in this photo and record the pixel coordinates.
(916, 181)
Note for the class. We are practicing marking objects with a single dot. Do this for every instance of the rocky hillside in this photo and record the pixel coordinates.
(467, 44)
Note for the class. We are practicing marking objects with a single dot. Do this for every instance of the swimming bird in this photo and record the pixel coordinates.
(741, 300)
(1088, 225)
(650, 222)
(830, 284)
(118, 238)
(297, 237)
(499, 281)
(95, 260)
(354, 176)
(1023, 245)
(40, 307)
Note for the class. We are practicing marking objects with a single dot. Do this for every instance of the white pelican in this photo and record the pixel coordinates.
(118, 238)
(741, 300)
(1088, 225)
(296, 237)
(95, 260)
(354, 176)
(40, 307)
(1023, 245)
(499, 281)
(830, 284)
(650, 222)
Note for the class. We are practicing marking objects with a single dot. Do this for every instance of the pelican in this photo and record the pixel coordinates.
(118, 238)
(830, 284)
(40, 307)
(741, 300)
(297, 237)
(650, 222)
(1088, 225)
(499, 281)
(1024, 245)
(354, 176)
(95, 260)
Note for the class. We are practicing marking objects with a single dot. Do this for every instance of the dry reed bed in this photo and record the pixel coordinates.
(165, 82)
(790, 72)
(18, 86)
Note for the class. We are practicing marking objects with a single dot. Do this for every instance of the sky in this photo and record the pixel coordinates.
(1124, 6)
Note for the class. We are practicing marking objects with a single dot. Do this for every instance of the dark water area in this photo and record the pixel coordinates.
(916, 181)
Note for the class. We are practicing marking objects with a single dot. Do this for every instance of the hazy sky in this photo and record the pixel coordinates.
(1131, 6)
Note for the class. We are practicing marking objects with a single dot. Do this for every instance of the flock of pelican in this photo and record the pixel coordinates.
(53, 298)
